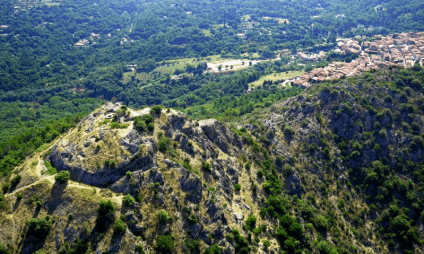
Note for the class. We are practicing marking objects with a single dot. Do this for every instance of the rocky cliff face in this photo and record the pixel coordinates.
(324, 172)
(98, 155)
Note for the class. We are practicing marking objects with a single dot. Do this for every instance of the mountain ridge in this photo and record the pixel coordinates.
(333, 170)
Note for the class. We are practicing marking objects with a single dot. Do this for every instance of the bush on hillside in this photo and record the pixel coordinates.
(165, 244)
(15, 180)
(128, 200)
(155, 110)
(63, 176)
(105, 207)
(213, 249)
(119, 227)
(39, 227)
(163, 216)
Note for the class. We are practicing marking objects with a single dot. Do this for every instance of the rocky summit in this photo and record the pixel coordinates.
(337, 169)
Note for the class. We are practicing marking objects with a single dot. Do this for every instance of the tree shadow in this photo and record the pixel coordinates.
(36, 212)
(31, 244)
(35, 237)
(115, 243)
(58, 189)
(56, 196)
(16, 205)
(103, 223)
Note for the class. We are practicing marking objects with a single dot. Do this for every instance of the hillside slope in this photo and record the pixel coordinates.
(337, 169)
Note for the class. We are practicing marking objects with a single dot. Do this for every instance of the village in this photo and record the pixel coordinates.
(404, 50)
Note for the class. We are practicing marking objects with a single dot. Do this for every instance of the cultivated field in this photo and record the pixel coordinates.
(276, 77)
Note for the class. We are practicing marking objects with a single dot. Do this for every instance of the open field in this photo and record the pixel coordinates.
(226, 65)
(143, 77)
(276, 77)
(169, 67)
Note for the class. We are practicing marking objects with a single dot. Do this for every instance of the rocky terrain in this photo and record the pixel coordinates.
(337, 169)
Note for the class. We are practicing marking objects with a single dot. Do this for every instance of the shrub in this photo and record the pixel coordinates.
(39, 227)
(128, 174)
(105, 207)
(256, 231)
(19, 196)
(257, 240)
(229, 236)
(341, 203)
(3, 249)
(213, 249)
(110, 163)
(192, 219)
(288, 170)
(355, 154)
(291, 244)
(128, 200)
(163, 216)
(5, 187)
(165, 244)
(139, 124)
(323, 247)
(139, 249)
(320, 222)
(163, 144)
(383, 133)
(155, 110)
(105, 215)
(63, 176)
(260, 173)
(288, 130)
(148, 119)
(326, 152)
(151, 126)
(251, 222)
(206, 166)
(4, 205)
(15, 180)
(186, 164)
(237, 187)
(191, 245)
(119, 227)
(38, 205)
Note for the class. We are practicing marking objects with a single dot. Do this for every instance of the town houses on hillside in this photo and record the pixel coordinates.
(405, 50)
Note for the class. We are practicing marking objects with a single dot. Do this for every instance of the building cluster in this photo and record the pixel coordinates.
(311, 57)
(94, 39)
(23, 5)
(405, 50)
(181, 76)
(82, 43)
